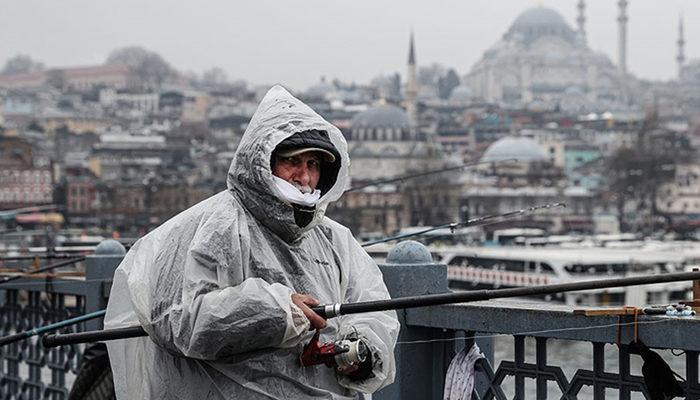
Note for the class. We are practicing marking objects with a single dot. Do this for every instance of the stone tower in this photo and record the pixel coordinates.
(581, 20)
(412, 88)
(622, 37)
(680, 58)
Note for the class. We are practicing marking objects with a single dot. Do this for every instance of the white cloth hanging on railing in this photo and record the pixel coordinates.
(459, 380)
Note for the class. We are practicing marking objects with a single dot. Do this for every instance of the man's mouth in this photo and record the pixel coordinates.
(304, 189)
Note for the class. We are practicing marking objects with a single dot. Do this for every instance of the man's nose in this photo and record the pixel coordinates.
(302, 175)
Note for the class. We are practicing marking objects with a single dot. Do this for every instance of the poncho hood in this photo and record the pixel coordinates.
(279, 116)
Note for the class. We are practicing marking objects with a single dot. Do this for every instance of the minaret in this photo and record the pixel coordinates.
(622, 37)
(581, 20)
(412, 87)
(680, 58)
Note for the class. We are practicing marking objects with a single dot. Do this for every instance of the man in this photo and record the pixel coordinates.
(224, 289)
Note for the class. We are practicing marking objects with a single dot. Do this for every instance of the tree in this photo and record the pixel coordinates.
(447, 83)
(395, 86)
(214, 77)
(637, 173)
(148, 66)
(21, 63)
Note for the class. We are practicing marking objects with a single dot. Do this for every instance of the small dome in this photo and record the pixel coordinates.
(383, 116)
(384, 122)
(110, 247)
(520, 148)
(320, 90)
(690, 73)
(409, 252)
(461, 93)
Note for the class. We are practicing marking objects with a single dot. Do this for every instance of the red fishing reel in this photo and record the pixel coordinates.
(338, 354)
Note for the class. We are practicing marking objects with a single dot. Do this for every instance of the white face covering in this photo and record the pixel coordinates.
(293, 195)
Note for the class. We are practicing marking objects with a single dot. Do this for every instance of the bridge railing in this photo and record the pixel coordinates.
(27, 369)
(516, 338)
(542, 350)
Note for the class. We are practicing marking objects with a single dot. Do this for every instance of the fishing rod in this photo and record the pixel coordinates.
(425, 173)
(43, 269)
(485, 220)
(334, 310)
(50, 328)
(39, 256)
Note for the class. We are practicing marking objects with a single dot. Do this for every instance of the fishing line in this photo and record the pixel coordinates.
(402, 178)
(478, 221)
(532, 333)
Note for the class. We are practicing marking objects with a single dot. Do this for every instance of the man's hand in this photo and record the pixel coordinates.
(303, 301)
(348, 369)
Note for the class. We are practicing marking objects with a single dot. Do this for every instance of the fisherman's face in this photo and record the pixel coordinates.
(303, 170)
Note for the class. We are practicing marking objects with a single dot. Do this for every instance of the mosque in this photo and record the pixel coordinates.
(541, 62)
(386, 141)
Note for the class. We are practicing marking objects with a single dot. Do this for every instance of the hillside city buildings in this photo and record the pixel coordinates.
(539, 119)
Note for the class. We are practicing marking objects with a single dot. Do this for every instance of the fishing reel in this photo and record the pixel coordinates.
(339, 354)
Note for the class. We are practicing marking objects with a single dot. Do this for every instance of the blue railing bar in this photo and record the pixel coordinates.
(50, 328)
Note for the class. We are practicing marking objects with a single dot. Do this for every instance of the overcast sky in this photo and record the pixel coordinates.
(297, 42)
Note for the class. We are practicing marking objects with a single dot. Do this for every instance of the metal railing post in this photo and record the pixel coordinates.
(99, 270)
(409, 270)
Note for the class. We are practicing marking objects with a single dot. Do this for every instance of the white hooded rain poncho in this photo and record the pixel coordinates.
(212, 286)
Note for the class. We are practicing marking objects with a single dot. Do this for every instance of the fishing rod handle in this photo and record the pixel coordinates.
(92, 336)
(55, 340)
(327, 310)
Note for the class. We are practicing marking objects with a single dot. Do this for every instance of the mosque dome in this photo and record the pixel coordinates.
(320, 89)
(383, 122)
(510, 147)
(690, 73)
(461, 93)
(538, 17)
(540, 21)
(382, 116)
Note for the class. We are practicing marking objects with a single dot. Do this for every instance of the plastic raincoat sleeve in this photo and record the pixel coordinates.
(381, 329)
(211, 322)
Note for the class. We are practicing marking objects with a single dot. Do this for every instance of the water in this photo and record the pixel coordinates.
(571, 356)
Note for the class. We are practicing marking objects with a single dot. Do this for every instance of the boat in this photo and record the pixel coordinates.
(493, 267)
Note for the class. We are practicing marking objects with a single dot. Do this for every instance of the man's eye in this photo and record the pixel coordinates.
(314, 163)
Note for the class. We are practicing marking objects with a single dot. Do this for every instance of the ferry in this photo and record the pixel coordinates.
(493, 267)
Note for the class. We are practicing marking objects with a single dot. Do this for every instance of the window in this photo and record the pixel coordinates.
(546, 268)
